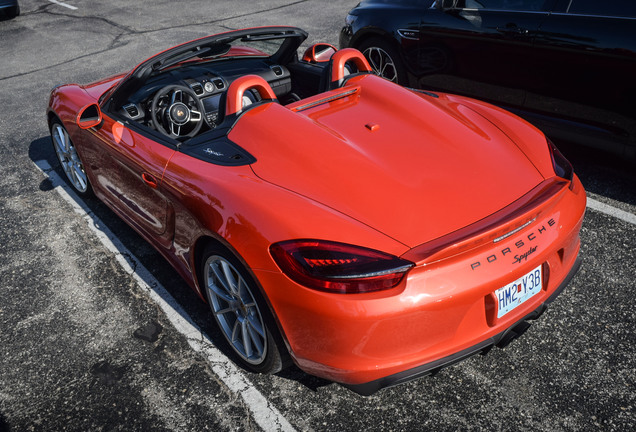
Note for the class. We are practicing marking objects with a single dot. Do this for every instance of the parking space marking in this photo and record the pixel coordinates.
(611, 211)
(265, 415)
(63, 4)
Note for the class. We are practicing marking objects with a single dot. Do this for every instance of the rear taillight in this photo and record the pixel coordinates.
(338, 267)
(562, 167)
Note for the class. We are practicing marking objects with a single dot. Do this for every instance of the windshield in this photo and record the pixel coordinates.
(260, 44)
(268, 45)
(277, 43)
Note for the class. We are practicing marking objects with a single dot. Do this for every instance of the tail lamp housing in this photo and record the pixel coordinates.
(338, 267)
(562, 167)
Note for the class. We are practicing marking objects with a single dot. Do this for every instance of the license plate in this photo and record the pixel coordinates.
(519, 291)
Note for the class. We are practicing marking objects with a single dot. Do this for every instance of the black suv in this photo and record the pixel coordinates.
(567, 66)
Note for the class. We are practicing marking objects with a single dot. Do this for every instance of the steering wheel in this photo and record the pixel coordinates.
(177, 111)
(340, 59)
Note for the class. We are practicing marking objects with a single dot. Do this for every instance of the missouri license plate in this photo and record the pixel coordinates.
(518, 292)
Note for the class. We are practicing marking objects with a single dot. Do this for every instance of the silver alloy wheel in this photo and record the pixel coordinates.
(69, 159)
(382, 63)
(235, 309)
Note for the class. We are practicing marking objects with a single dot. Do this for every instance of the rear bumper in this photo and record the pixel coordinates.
(500, 340)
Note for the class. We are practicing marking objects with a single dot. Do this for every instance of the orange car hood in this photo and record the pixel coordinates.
(411, 166)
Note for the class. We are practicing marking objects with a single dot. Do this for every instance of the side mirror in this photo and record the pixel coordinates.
(319, 53)
(89, 116)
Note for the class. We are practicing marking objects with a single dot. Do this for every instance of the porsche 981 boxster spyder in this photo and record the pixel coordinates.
(367, 232)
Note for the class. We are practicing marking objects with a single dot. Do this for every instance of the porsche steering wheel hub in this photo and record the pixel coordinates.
(179, 113)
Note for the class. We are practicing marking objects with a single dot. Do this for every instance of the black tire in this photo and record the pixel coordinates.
(384, 59)
(69, 160)
(240, 312)
(11, 13)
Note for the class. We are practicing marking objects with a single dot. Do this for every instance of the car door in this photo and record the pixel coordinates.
(127, 167)
(487, 44)
(586, 64)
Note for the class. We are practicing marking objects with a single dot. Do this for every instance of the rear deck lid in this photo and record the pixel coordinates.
(412, 167)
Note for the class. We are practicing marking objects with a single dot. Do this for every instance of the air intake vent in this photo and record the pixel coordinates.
(132, 110)
(197, 88)
(219, 83)
(278, 71)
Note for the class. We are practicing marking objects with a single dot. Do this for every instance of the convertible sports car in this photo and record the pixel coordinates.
(369, 233)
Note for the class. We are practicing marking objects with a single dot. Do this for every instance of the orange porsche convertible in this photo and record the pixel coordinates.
(367, 232)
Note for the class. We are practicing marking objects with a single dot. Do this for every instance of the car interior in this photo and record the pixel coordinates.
(183, 92)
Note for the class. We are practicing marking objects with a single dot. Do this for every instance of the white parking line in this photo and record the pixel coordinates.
(63, 4)
(265, 415)
(611, 211)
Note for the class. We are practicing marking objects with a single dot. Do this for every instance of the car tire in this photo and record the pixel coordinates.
(12, 13)
(384, 59)
(69, 160)
(240, 312)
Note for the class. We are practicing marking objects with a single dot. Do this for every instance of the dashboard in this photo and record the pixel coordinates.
(209, 90)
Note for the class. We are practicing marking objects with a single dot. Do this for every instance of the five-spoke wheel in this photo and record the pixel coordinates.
(239, 311)
(382, 63)
(69, 159)
(384, 60)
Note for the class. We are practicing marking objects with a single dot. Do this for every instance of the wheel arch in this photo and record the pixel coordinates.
(363, 35)
(51, 116)
(390, 38)
(198, 249)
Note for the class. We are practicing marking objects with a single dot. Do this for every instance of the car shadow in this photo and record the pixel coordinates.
(192, 308)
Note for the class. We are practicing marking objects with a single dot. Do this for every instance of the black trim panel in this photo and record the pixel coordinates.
(220, 151)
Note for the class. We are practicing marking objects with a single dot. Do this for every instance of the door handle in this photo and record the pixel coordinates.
(150, 180)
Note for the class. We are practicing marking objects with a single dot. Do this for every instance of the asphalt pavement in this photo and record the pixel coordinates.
(98, 333)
